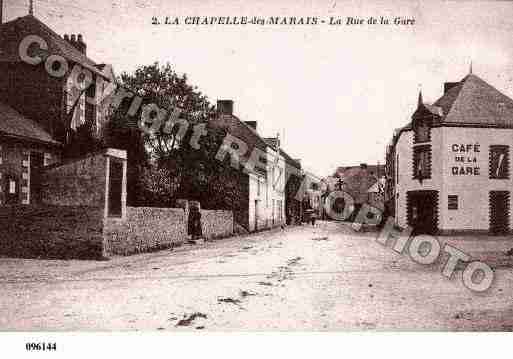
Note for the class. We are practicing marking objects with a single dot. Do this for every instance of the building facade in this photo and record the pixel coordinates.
(449, 170)
(36, 105)
(262, 201)
(50, 93)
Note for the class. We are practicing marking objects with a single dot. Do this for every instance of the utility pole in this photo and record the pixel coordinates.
(31, 8)
(1, 11)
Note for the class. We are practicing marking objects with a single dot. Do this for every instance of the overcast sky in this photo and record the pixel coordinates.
(335, 93)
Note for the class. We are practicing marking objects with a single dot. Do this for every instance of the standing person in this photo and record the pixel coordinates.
(313, 217)
(194, 223)
(198, 233)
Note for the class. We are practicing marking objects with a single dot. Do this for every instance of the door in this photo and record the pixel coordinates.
(36, 169)
(256, 215)
(11, 186)
(499, 212)
(115, 187)
(422, 209)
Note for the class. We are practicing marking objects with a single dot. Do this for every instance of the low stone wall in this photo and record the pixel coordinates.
(144, 229)
(73, 232)
(51, 232)
(217, 224)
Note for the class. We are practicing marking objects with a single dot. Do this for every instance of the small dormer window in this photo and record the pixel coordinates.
(422, 131)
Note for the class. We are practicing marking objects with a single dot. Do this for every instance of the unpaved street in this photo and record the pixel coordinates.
(301, 278)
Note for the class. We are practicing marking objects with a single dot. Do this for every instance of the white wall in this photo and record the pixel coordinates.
(472, 190)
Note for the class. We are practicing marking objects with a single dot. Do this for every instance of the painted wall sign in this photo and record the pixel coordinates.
(465, 158)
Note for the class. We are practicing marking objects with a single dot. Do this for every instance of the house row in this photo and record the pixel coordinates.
(273, 189)
(449, 169)
(40, 104)
(364, 183)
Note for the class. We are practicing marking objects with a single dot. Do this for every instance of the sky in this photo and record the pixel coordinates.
(334, 93)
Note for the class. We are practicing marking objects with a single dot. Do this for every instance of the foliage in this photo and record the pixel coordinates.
(166, 167)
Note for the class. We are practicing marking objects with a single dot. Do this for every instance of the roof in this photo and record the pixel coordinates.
(14, 124)
(351, 170)
(13, 32)
(235, 127)
(289, 160)
(474, 101)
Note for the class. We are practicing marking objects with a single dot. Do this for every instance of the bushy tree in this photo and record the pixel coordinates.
(164, 166)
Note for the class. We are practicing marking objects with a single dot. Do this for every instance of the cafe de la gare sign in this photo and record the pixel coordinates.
(465, 157)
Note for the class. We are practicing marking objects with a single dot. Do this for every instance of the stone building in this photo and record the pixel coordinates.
(448, 170)
(48, 87)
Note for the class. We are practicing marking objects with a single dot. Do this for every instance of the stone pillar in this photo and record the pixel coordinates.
(25, 178)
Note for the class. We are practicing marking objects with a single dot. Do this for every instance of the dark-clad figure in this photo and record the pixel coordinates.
(194, 223)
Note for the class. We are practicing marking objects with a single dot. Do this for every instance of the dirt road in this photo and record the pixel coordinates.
(301, 278)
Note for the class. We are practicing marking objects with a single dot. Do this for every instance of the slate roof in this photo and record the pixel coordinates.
(474, 101)
(235, 127)
(14, 124)
(13, 32)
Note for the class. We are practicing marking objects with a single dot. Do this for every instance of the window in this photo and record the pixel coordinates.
(422, 162)
(422, 131)
(499, 162)
(452, 202)
(12, 187)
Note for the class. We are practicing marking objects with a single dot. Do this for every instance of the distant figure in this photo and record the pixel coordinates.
(194, 223)
(313, 217)
(310, 216)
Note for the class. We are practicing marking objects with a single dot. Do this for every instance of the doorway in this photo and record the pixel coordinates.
(11, 186)
(499, 212)
(36, 169)
(115, 188)
(256, 214)
(422, 207)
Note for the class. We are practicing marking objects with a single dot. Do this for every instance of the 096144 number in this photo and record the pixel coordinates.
(41, 346)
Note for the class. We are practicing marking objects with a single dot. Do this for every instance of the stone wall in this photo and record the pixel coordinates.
(217, 224)
(51, 232)
(81, 182)
(145, 229)
(82, 232)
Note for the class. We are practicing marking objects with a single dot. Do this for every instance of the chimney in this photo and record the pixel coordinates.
(77, 42)
(225, 107)
(449, 85)
(252, 124)
(81, 45)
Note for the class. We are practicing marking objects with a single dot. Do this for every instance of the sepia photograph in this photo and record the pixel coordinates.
(185, 167)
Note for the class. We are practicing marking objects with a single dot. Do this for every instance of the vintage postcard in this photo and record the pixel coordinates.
(212, 166)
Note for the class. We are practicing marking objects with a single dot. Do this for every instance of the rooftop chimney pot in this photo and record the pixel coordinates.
(449, 85)
(225, 107)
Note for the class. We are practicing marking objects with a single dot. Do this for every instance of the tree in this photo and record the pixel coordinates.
(154, 156)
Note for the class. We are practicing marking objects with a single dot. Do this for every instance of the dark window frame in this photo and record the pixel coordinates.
(452, 202)
(498, 149)
(426, 169)
(429, 123)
